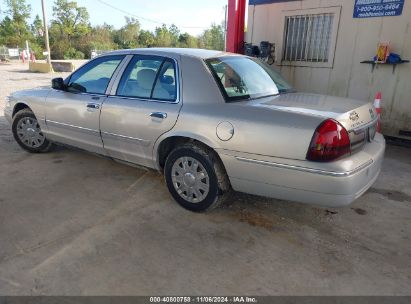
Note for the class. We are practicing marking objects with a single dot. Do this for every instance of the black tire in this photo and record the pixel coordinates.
(27, 113)
(219, 185)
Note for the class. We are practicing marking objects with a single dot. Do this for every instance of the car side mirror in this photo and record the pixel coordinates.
(58, 84)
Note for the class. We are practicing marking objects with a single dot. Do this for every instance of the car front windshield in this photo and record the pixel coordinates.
(246, 78)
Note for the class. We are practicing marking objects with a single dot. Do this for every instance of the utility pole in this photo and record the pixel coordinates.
(46, 32)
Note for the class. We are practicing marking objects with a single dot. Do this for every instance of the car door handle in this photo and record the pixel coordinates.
(93, 106)
(95, 98)
(160, 115)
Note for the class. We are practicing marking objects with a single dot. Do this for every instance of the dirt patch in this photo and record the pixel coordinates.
(330, 212)
(257, 219)
(359, 211)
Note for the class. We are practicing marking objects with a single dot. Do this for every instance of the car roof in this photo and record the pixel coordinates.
(198, 53)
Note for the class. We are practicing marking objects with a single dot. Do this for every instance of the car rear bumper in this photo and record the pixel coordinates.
(304, 183)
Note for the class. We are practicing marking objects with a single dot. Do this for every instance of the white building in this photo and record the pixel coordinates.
(320, 45)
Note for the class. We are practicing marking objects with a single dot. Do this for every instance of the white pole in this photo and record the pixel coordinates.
(46, 32)
(27, 50)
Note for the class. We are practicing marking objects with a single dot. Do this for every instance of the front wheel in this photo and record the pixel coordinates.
(28, 134)
(196, 178)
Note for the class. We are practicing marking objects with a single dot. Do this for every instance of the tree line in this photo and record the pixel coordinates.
(73, 37)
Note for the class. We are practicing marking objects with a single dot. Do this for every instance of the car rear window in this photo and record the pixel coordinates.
(242, 78)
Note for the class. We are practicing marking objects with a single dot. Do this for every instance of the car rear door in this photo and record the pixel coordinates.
(73, 115)
(143, 104)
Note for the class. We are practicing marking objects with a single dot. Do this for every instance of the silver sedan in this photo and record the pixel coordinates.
(211, 122)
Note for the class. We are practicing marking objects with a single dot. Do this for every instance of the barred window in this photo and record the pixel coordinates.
(308, 37)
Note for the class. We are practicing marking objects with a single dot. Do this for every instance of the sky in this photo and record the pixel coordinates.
(191, 16)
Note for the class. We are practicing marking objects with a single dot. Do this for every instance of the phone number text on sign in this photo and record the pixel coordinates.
(377, 8)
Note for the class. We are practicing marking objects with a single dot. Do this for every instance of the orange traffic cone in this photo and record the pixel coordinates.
(377, 106)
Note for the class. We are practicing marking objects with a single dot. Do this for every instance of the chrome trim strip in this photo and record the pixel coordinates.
(142, 141)
(81, 93)
(305, 169)
(142, 99)
(60, 124)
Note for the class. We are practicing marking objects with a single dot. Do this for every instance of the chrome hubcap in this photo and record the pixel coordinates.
(190, 179)
(29, 132)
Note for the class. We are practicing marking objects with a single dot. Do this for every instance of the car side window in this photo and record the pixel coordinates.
(94, 76)
(149, 77)
(166, 87)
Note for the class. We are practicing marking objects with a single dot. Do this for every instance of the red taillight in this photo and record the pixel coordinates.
(330, 141)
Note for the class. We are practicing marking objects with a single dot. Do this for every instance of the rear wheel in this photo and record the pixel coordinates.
(28, 134)
(196, 178)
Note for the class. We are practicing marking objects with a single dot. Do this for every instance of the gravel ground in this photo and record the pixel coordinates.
(72, 223)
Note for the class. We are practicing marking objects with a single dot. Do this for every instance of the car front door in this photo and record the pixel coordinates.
(73, 115)
(143, 104)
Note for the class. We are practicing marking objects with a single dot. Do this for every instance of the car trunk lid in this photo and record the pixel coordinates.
(358, 117)
(351, 113)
